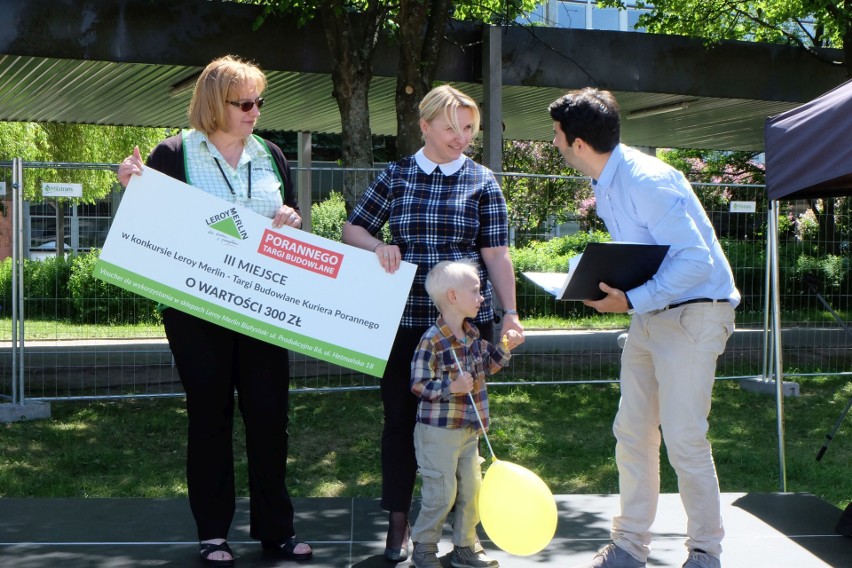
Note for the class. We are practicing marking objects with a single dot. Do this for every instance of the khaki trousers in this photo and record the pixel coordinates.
(668, 370)
(450, 468)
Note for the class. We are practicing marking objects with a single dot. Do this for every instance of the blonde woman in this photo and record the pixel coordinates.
(439, 205)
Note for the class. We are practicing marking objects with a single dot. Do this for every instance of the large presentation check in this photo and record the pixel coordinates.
(224, 263)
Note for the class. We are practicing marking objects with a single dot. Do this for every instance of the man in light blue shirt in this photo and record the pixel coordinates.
(682, 318)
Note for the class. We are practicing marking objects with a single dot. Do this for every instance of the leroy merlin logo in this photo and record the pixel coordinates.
(228, 223)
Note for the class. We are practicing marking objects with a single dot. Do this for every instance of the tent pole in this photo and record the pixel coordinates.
(776, 326)
(768, 331)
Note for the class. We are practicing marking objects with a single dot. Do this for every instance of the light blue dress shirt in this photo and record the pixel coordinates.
(641, 199)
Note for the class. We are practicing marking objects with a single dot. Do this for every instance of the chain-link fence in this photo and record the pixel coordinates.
(83, 339)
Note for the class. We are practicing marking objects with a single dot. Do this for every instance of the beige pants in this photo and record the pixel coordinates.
(450, 467)
(668, 369)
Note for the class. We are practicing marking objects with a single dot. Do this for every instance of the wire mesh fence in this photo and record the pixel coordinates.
(85, 340)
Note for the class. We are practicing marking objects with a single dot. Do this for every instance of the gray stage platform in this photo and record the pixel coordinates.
(763, 531)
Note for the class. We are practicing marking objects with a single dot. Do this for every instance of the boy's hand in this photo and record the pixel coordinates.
(512, 339)
(463, 384)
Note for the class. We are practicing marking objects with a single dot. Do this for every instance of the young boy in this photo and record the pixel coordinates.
(446, 437)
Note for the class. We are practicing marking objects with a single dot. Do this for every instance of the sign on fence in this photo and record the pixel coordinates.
(743, 207)
(224, 263)
(49, 189)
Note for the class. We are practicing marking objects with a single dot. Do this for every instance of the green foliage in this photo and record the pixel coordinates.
(46, 285)
(833, 269)
(773, 21)
(63, 289)
(74, 143)
(797, 261)
(747, 258)
(721, 171)
(25, 140)
(328, 216)
(96, 301)
(715, 166)
(748, 263)
(830, 271)
(549, 256)
(6, 287)
(553, 255)
(542, 198)
(490, 11)
(718, 178)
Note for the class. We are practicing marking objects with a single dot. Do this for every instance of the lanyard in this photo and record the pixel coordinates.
(226, 177)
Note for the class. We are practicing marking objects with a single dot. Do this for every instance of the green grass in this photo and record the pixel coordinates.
(595, 321)
(136, 448)
(54, 329)
(39, 330)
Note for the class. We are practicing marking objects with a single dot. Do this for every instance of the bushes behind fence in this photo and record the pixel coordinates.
(801, 263)
(63, 288)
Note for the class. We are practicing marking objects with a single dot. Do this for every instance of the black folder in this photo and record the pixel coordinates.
(620, 265)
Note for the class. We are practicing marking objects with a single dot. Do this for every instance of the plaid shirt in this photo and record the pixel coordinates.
(434, 367)
(433, 217)
(202, 172)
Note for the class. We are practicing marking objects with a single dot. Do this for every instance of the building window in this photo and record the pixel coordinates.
(85, 227)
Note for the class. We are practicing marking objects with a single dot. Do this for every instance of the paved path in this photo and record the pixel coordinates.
(763, 531)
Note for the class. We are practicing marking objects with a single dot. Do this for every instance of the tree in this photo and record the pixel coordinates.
(352, 39)
(421, 30)
(352, 32)
(721, 177)
(809, 24)
(422, 25)
(352, 29)
(54, 143)
(553, 194)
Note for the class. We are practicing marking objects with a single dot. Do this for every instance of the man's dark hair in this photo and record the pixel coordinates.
(591, 115)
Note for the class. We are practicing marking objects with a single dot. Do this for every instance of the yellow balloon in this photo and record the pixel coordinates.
(516, 509)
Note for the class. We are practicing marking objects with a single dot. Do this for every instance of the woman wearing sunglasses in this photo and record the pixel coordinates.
(222, 157)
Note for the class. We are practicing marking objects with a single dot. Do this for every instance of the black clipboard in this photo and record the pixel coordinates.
(621, 265)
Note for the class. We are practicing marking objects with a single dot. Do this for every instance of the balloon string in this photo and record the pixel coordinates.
(478, 418)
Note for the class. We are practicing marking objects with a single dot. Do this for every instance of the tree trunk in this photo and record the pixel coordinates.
(847, 40)
(60, 229)
(828, 227)
(351, 39)
(421, 30)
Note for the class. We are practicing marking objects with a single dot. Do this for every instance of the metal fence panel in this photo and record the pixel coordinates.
(67, 358)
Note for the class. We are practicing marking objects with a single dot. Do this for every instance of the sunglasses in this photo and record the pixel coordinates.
(246, 106)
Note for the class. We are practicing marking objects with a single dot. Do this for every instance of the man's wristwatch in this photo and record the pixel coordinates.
(510, 312)
(630, 310)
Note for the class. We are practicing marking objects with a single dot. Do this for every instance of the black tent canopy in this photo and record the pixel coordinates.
(809, 148)
(808, 155)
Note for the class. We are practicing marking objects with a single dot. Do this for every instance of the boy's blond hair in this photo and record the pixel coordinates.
(446, 275)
